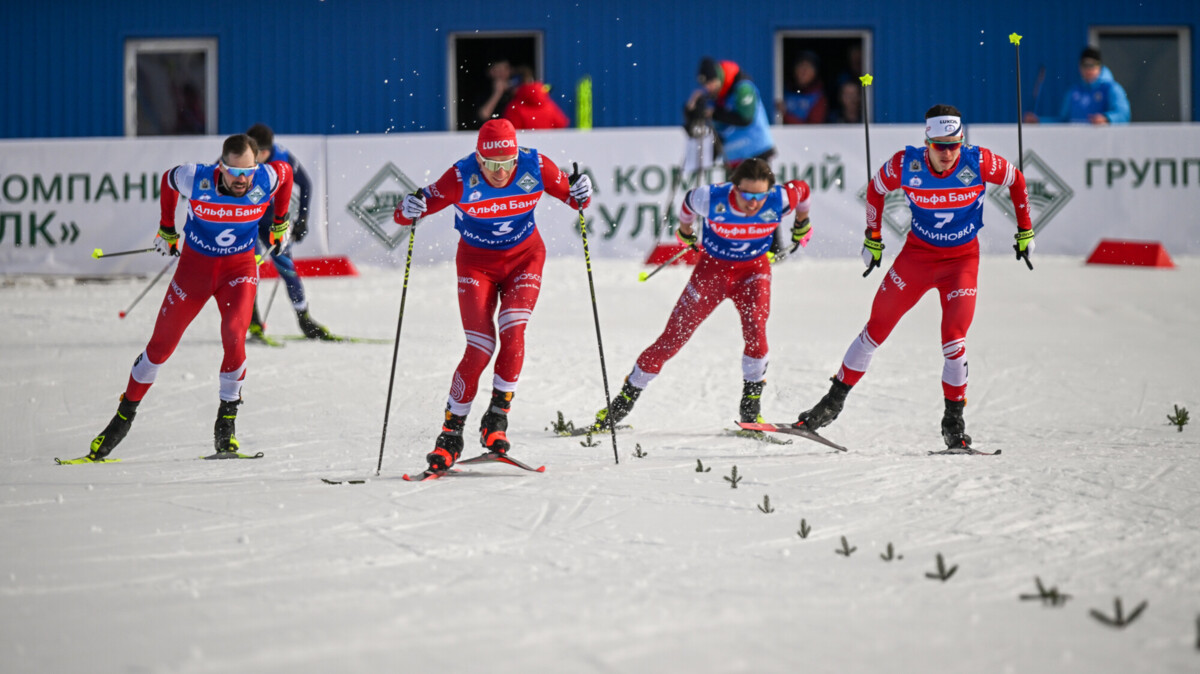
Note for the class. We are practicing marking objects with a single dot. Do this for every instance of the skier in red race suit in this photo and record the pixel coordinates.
(494, 191)
(944, 184)
(741, 218)
(225, 202)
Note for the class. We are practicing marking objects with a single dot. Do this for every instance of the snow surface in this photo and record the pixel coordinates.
(164, 563)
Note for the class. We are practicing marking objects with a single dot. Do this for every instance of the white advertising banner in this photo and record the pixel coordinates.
(60, 199)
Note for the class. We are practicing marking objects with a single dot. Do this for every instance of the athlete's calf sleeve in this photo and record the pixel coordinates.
(141, 377)
(754, 369)
(954, 370)
(143, 371)
(231, 383)
(501, 384)
(640, 378)
(858, 358)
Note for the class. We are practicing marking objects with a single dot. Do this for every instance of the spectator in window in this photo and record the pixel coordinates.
(532, 107)
(849, 109)
(503, 85)
(806, 103)
(1097, 99)
(854, 65)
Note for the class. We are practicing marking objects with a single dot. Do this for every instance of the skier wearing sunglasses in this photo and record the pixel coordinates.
(493, 191)
(944, 184)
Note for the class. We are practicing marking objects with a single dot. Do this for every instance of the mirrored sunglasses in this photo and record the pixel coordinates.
(754, 196)
(493, 165)
(239, 172)
(947, 147)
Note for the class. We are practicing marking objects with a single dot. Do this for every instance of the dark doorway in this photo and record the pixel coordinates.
(170, 87)
(1150, 63)
(841, 58)
(472, 84)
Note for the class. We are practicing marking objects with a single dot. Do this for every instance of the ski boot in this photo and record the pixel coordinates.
(449, 444)
(313, 329)
(257, 330)
(116, 430)
(827, 409)
(750, 409)
(223, 439)
(619, 408)
(953, 426)
(495, 422)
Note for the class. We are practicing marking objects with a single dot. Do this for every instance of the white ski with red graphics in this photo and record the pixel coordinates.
(791, 429)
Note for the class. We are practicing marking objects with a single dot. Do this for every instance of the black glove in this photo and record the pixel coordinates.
(300, 226)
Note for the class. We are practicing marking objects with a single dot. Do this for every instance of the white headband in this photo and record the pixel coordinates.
(942, 127)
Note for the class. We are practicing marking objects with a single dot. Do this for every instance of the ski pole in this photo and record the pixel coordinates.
(97, 253)
(396, 347)
(866, 80)
(645, 276)
(1016, 42)
(271, 300)
(587, 258)
(125, 313)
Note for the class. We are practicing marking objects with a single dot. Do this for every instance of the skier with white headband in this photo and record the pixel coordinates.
(944, 185)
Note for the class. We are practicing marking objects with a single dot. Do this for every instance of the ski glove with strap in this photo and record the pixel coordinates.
(802, 232)
(687, 239)
(281, 234)
(414, 206)
(167, 241)
(872, 252)
(1024, 244)
(581, 189)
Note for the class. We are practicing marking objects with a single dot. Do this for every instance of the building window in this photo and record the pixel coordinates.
(838, 58)
(1154, 65)
(171, 87)
(475, 59)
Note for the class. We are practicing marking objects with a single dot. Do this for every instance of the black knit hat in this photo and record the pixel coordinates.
(708, 71)
(1092, 53)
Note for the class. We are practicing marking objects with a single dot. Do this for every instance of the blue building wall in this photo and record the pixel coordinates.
(373, 66)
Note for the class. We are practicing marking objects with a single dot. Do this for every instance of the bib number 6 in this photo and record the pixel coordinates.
(225, 238)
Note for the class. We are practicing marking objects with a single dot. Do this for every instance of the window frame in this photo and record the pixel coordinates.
(135, 47)
(865, 35)
(452, 39)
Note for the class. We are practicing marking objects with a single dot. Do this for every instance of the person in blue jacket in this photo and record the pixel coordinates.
(270, 151)
(728, 100)
(1097, 99)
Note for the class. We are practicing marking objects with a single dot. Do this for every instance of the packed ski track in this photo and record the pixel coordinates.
(168, 563)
